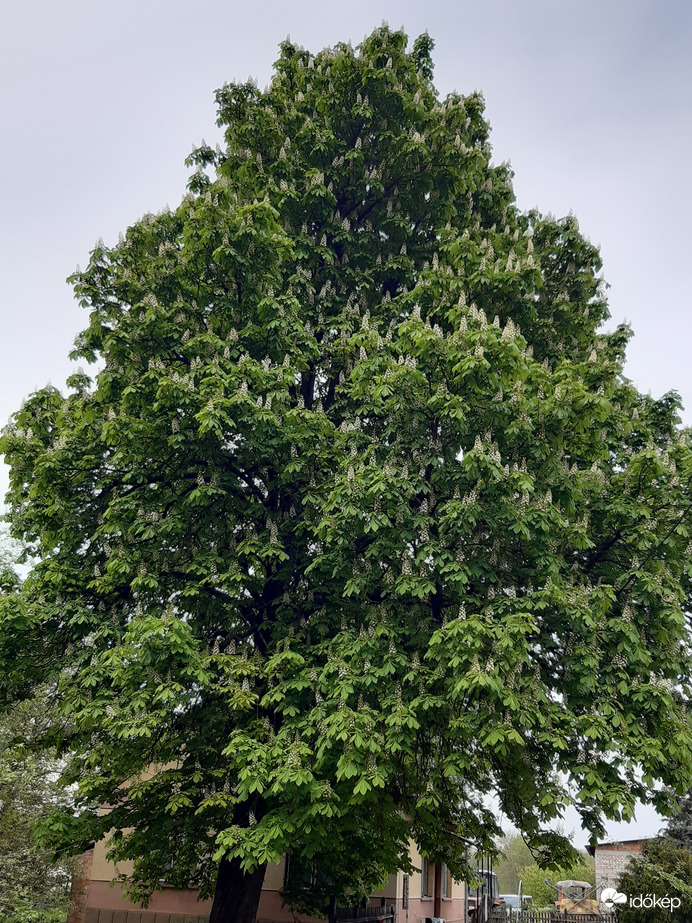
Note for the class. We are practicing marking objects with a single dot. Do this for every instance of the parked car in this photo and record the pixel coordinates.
(513, 901)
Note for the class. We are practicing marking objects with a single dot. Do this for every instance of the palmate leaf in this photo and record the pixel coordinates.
(360, 521)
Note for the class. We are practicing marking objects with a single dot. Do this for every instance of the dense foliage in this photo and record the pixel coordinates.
(663, 871)
(359, 521)
(514, 856)
(33, 889)
(679, 827)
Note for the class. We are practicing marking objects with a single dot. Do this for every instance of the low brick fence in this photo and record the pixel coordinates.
(147, 916)
(141, 916)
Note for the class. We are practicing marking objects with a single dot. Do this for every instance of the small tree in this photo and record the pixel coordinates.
(360, 521)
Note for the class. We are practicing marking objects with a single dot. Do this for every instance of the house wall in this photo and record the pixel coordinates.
(390, 892)
(611, 860)
(102, 869)
(106, 903)
(420, 907)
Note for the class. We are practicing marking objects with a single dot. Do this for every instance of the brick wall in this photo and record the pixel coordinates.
(79, 892)
(140, 916)
(93, 915)
(611, 861)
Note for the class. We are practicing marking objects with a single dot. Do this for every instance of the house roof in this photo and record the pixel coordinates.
(591, 848)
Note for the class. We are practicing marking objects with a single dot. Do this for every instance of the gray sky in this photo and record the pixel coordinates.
(101, 101)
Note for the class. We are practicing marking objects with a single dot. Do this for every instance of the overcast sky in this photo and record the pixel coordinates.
(101, 101)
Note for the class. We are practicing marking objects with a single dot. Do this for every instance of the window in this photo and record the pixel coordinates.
(445, 887)
(178, 860)
(426, 878)
(299, 876)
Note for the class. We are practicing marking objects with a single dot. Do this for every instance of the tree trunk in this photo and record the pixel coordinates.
(237, 893)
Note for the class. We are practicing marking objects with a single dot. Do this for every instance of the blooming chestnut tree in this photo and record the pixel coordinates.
(359, 523)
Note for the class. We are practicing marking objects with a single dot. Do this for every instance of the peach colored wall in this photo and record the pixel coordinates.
(105, 870)
(102, 895)
(457, 887)
(389, 892)
(274, 876)
(105, 897)
(112, 898)
(415, 880)
(171, 901)
(451, 910)
(458, 890)
(271, 908)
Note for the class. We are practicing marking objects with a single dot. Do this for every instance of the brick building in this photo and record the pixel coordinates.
(612, 860)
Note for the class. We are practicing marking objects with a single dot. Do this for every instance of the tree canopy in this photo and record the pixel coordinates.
(358, 521)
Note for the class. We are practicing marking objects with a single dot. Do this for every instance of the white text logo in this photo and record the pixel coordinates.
(611, 896)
